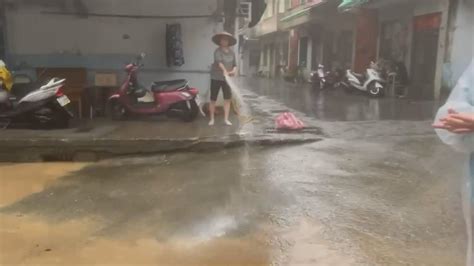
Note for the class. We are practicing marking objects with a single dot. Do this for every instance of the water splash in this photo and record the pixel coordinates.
(246, 127)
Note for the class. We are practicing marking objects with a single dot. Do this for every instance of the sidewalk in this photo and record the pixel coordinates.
(91, 140)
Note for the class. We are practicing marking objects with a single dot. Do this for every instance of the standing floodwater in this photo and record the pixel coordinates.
(287, 206)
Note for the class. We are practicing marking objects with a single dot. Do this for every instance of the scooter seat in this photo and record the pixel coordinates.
(169, 85)
(360, 77)
(357, 75)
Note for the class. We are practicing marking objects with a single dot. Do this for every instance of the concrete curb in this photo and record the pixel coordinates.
(40, 150)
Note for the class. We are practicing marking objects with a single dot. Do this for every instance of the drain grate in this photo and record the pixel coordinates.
(279, 111)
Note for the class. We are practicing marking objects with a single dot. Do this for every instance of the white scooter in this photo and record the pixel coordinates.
(318, 78)
(371, 83)
(46, 107)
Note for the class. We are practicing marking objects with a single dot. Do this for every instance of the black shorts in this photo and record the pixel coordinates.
(216, 86)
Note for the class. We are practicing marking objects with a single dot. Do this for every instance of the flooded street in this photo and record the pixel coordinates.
(236, 133)
(378, 190)
(381, 202)
(336, 105)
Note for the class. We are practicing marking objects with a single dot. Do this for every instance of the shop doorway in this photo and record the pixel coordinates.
(424, 55)
(272, 66)
(366, 39)
(303, 52)
(344, 50)
(328, 49)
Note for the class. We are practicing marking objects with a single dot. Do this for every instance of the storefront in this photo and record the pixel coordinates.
(410, 32)
(426, 33)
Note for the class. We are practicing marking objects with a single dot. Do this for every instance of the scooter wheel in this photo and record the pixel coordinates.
(61, 121)
(374, 91)
(191, 111)
(49, 118)
(42, 118)
(115, 110)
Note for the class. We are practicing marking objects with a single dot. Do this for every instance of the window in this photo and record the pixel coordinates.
(282, 6)
(245, 10)
(303, 52)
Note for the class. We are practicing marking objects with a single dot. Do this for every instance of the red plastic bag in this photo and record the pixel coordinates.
(287, 121)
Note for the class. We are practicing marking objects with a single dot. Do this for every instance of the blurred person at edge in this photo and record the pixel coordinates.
(454, 125)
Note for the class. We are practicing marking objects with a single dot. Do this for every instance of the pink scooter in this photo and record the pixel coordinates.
(173, 98)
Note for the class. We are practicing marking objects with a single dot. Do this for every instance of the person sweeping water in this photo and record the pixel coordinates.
(225, 65)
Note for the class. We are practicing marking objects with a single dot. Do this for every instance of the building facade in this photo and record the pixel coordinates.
(432, 38)
(460, 47)
(100, 36)
(301, 34)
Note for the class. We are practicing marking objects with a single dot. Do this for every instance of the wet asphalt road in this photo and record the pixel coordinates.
(390, 200)
(336, 105)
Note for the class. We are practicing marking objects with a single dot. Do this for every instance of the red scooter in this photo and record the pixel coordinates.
(173, 98)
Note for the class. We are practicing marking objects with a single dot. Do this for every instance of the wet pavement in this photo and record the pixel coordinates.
(330, 203)
(372, 193)
(136, 128)
(336, 105)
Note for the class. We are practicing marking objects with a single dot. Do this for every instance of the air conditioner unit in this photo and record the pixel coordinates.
(245, 10)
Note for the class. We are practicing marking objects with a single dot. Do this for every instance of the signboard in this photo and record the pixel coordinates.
(428, 22)
(105, 80)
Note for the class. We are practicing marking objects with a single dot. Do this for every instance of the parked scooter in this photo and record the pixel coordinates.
(322, 79)
(318, 78)
(371, 83)
(45, 108)
(172, 98)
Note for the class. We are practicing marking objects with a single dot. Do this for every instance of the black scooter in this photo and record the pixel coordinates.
(322, 79)
(44, 108)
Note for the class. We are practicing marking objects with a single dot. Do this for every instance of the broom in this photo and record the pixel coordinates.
(237, 101)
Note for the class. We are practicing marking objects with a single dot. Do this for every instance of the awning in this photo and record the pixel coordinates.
(348, 5)
(296, 14)
(301, 15)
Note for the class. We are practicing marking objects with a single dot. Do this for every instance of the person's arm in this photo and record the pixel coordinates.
(218, 60)
(455, 122)
(222, 67)
(233, 72)
(452, 120)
